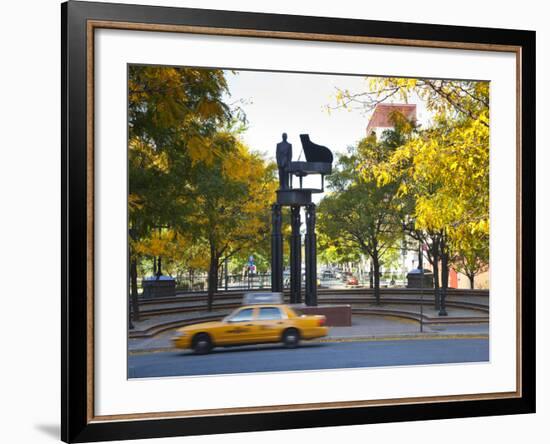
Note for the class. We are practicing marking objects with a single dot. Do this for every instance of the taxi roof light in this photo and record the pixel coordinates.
(262, 298)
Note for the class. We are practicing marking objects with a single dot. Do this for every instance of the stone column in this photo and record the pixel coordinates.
(311, 256)
(295, 256)
(276, 249)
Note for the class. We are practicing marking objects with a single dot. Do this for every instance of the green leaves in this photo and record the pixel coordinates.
(361, 212)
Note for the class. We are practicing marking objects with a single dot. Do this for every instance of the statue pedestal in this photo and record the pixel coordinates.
(337, 315)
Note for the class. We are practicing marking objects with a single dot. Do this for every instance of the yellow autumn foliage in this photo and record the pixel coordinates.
(444, 168)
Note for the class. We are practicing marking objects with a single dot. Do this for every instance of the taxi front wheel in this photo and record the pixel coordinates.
(291, 338)
(202, 344)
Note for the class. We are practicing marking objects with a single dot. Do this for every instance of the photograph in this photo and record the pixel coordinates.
(284, 221)
(278, 221)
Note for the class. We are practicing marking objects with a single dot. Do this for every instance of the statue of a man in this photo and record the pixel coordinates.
(284, 157)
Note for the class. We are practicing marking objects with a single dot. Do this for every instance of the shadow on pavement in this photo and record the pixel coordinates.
(251, 348)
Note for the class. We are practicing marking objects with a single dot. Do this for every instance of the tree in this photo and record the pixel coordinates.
(174, 121)
(229, 208)
(332, 251)
(443, 169)
(360, 212)
(469, 99)
(471, 251)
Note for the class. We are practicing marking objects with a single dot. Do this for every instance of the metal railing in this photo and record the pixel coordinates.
(198, 282)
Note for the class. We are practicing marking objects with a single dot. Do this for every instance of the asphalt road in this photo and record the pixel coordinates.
(312, 356)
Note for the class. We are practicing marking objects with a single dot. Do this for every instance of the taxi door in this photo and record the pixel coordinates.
(239, 328)
(270, 323)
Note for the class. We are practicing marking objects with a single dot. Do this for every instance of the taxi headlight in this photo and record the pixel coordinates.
(180, 334)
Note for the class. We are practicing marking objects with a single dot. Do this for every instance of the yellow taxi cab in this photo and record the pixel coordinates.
(256, 323)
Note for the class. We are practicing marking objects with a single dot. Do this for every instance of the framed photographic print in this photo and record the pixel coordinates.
(275, 221)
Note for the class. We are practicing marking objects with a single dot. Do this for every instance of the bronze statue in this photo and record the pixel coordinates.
(318, 162)
(284, 158)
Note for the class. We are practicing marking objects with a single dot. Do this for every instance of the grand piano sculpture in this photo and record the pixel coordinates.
(318, 162)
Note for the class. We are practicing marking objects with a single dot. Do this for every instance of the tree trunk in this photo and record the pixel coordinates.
(471, 277)
(435, 256)
(444, 278)
(444, 271)
(134, 290)
(212, 277)
(376, 267)
(371, 277)
(159, 267)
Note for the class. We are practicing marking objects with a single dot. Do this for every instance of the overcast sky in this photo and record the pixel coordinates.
(296, 104)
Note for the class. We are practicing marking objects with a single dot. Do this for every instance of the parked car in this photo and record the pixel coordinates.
(345, 275)
(328, 274)
(252, 324)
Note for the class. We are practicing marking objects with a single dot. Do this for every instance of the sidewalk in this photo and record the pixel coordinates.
(381, 327)
(363, 328)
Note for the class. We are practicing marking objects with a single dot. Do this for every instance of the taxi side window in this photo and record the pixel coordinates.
(269, 313)
(242, 316)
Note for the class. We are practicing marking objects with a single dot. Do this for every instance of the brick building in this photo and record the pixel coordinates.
(381, 117)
